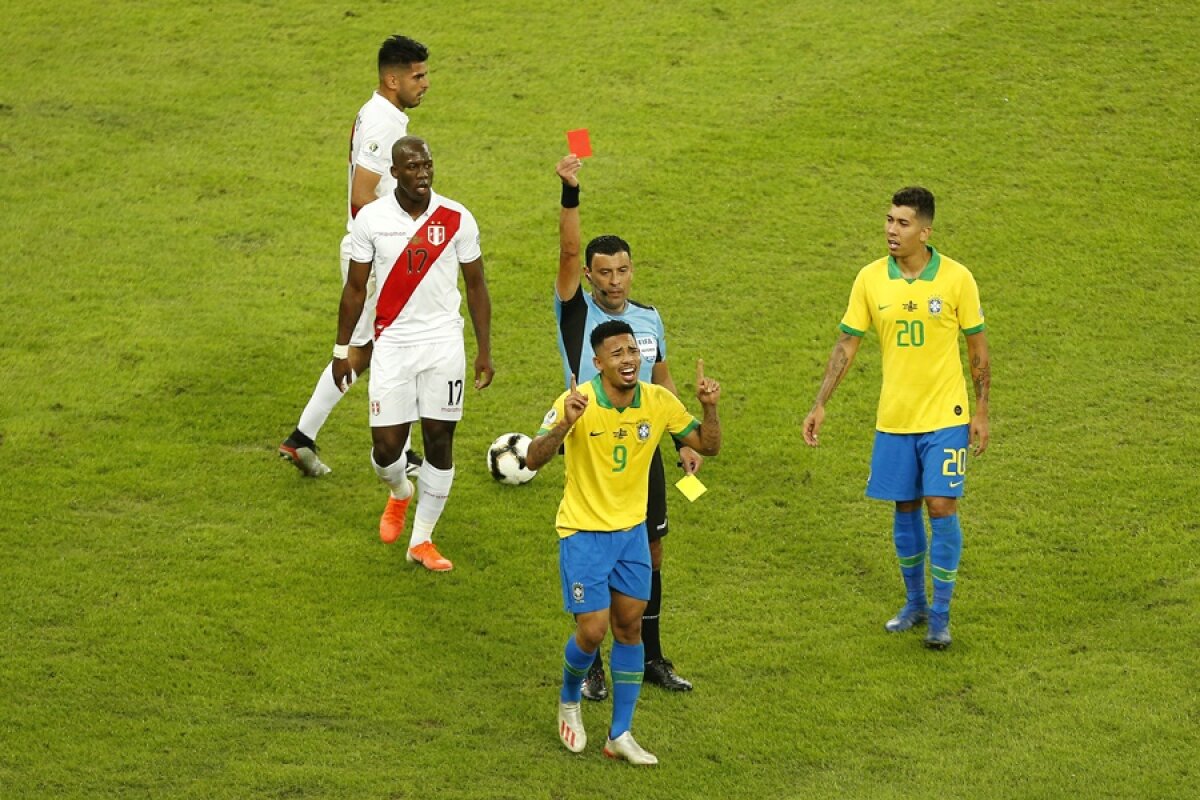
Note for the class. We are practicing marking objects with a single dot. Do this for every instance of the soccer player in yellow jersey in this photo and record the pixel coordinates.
(917, 300)
(610, 428)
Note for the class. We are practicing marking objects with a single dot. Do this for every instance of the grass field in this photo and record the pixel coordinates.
(184, 616)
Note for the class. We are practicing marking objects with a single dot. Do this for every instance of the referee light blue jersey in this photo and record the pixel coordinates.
(579, 316)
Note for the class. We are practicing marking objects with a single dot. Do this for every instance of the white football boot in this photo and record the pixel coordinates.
(570, 727)
(624, 747)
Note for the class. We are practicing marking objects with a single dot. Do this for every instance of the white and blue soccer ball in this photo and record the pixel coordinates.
(506, 459)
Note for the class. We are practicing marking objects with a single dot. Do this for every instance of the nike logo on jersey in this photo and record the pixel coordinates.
(955, 484)
(595, 433)
(889, 305)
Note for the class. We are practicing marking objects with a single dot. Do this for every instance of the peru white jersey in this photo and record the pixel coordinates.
(416, 264)
(376, 128)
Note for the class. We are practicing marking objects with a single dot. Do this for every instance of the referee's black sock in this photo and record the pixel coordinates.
(650, 618)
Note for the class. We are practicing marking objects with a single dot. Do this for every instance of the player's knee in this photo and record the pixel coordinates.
(388, 444)
(589, 634)
(627, 622)
(941, 506)
(627, 631)
(438, 440)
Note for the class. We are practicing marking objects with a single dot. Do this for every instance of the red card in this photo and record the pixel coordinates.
(579, 143)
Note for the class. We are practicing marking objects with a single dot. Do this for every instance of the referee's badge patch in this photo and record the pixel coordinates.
(577, 592)
(649, 347)
(643, 430)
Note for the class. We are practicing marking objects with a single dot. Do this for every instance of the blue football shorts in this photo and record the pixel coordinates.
(591, 564)
(909, 466)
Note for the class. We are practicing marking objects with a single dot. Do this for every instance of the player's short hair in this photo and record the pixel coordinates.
(917, 197)
(609, 328)
(400, 51)
(407, 143)
(606, 245)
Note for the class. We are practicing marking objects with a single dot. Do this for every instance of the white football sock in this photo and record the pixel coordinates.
(325, 396)
(393, 475)
(435, 488)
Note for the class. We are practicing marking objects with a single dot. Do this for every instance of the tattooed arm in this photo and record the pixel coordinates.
(840, 360)
(981, 378)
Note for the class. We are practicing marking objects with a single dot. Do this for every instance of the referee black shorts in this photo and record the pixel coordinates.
(656, 499)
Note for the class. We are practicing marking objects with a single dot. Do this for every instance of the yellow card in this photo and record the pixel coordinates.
(691, 487)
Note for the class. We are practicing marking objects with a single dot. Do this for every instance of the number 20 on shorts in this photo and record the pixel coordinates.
(955, 463)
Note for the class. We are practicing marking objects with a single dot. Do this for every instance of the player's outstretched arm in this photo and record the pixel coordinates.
(706, 439)
(570, 238)
(354, 295)
(479, 305)
(844, 350)
(689, 459)
(543, 448)
(981, 378)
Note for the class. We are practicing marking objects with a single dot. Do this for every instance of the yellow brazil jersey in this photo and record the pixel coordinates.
(918, 322)
(608, 452)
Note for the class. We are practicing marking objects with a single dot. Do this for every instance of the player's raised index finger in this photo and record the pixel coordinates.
(699, 371)
(573, 386)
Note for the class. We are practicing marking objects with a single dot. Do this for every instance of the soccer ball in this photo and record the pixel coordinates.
(506, 459)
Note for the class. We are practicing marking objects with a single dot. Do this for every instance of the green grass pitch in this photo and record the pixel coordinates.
(183, 616)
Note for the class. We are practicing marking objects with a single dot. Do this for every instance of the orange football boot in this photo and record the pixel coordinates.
(428, 557)
(391, 524)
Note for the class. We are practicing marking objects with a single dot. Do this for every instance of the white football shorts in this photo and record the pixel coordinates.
(363, 329)
(423, 381)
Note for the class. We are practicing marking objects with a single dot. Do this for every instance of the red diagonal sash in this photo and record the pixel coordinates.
(414, 263)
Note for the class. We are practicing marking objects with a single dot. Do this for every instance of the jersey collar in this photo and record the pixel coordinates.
(604, 402)
(928, 274)
(435, 200)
